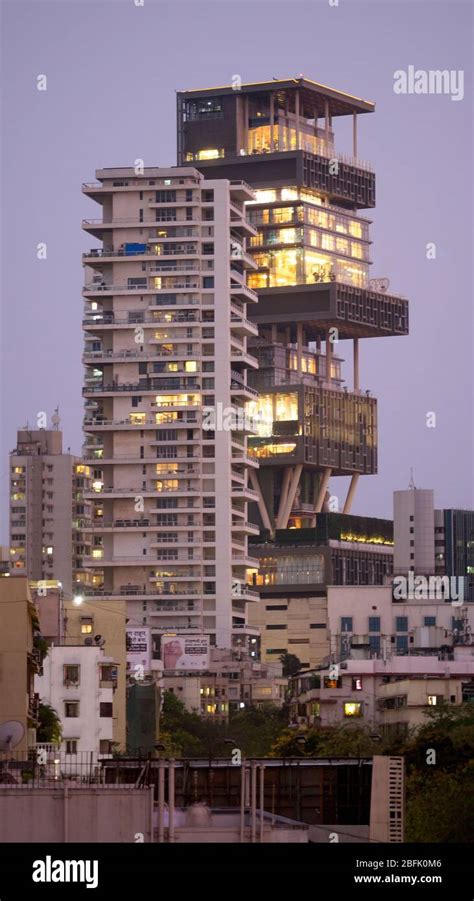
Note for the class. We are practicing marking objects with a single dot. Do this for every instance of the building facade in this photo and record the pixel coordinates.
(79, 683)
(430, 541)
(166, 363)
(48, 510)
(312, 279)
(20, 660)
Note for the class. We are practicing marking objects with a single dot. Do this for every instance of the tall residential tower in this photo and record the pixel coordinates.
(312, 277)
(166, 336)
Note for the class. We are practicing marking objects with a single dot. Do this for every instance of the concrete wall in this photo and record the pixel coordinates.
(75, 815)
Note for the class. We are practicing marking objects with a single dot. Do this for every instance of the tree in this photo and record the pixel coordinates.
(291, 664)
(50, 728)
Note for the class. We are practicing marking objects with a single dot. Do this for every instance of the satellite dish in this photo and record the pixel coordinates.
(11, 734)
(88, 642)
(99, 641)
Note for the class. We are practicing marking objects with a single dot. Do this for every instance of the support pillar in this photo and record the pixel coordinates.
(292, 489)
(351, 492)
(326, 125)
(260, 503)
(171, 799)
(299, 346)
(272, 123)
(356, 364)
(161, 801)
(328, 358)
(283, 495)
(274, 334)
(354, 135)
(322, 490)
(297, 119)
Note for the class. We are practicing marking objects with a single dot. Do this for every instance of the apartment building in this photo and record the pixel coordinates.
(48, 509)
(20, 659)
(231, 682)
(430, 541)
(102, 622)
(387, 695)
(375, 618)
(79, 683)
(166, 362)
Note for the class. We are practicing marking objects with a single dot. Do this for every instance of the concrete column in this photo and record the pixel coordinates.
(272, 122)
(161, 801)
(171, 801)
(254, 802)
(262, 799)
(292, 489)
(354, 134)
(297, 119)
(322, 490)
(246, 124)
(299, 346)
(328, 358)
(260, 503)
(243, 777)
(274, 334)
(356, 364)
(326, 123)
(283, 495)
(350, 493)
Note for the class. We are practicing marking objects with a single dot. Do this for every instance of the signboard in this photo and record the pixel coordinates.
(138, 644)
(185, 652)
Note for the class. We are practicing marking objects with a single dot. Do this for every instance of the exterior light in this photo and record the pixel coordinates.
(78, 600)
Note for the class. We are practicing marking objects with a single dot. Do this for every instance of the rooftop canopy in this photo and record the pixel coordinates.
(313, 96)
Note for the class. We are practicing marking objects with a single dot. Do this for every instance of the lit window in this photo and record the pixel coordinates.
(137, 418)
(289, 194)
(211, 154)
(190, 366)
(351, 708)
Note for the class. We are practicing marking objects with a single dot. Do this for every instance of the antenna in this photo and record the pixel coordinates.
(412, 485)
(11, 734)
(56, 419)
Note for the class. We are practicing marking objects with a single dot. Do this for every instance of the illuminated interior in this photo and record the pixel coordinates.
(270, 408)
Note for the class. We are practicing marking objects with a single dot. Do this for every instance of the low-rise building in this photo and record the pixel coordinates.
(20, 660)
(229, 683)
(387, 695)
(79, 683)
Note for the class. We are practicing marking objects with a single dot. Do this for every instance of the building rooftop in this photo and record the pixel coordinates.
(312, 93)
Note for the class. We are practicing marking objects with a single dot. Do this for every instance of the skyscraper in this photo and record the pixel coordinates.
(166, 333)
(312, 254)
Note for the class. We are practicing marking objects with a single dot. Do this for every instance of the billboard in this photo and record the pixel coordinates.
(185, 652)
(138, 642)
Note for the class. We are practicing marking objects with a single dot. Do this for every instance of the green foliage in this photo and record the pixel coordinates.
(291, 664)
(49, 729)
(440, 796)
(251, 730)
(332, 741)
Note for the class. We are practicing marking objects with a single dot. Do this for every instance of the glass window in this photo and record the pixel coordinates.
(374, 642)
(401, 623)
(352, 708)
(402, 643)
(374, 623)
(429, 620)
(346, 624)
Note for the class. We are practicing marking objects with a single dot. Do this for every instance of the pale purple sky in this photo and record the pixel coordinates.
(113, 69)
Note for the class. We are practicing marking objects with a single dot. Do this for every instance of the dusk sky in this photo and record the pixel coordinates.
(112, 71)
